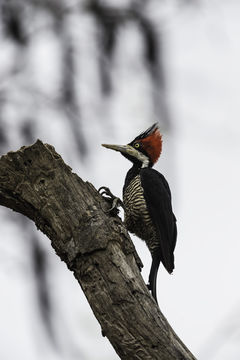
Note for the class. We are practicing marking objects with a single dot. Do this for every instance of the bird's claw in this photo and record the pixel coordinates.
(106, 191)
(116, 202)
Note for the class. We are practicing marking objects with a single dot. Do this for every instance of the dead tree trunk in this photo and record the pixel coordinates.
(95, 245)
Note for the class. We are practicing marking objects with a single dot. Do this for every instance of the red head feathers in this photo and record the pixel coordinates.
(151, 141)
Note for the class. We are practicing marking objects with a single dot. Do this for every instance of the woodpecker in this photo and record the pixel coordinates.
(147, 201)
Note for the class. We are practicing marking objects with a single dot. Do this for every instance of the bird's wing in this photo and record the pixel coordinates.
(158, 199)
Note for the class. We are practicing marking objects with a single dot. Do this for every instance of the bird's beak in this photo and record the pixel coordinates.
(129, 150)
(124, 149)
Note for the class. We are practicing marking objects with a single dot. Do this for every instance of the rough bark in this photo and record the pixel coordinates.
(95, 245)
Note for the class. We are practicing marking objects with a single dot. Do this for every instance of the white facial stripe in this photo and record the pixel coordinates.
(143, 158)
(138, 155)
(145, 163)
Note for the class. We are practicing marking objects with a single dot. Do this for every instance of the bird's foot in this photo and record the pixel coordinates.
(115, 201)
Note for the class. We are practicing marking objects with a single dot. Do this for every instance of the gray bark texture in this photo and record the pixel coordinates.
(95, 245)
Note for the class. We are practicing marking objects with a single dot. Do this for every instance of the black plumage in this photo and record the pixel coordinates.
(158, 226)
(147, 201)
(158, 199)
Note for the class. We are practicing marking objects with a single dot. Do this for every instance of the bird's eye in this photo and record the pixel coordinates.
(136, 145)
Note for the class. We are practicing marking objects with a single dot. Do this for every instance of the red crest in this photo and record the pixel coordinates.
(152, 144)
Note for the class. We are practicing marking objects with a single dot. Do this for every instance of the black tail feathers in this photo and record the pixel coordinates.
(153, 276)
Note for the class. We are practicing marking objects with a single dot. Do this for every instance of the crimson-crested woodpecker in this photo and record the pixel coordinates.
(147, 201)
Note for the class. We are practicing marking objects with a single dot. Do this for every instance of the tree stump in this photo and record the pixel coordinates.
(95, 245)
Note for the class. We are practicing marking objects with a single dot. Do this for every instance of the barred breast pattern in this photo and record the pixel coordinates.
(136, 216)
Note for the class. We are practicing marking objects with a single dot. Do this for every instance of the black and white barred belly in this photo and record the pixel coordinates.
(136, 216)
